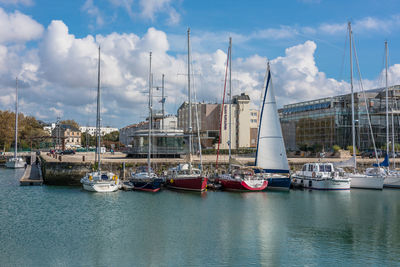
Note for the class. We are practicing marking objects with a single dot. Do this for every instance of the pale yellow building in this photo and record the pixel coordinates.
(244, 122)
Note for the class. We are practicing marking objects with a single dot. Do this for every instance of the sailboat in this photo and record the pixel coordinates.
(373, 178)
(271, 152)
(144, 179)
(238, 178)
(98, 180)
(15, 161)
(392, 178)
(186, 176)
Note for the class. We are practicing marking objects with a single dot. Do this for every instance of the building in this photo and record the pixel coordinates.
(167, 139)
(326, 122)
(92, 130)
(66, 136)
(244, 122)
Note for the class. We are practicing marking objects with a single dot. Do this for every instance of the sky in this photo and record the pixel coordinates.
(52, 47)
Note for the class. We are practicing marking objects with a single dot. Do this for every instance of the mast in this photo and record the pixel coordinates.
(150, 122)
(163, 102)
(16, 118)
(230, 103)
(386, 100)
(190, 103)
(97, 159)
(353, 129)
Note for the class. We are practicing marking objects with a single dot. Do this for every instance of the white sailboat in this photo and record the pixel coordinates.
(373, 178)
(271, 152)
(392, 178)
(100, 181)
(15, 161)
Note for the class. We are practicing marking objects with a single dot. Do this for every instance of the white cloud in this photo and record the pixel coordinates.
(19, 28)
(150, 8)
(16, 2)
(93, 11)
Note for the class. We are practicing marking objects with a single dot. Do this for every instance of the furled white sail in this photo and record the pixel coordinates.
(271, 152)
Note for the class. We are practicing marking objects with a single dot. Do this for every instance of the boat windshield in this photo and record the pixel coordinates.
(325, 168)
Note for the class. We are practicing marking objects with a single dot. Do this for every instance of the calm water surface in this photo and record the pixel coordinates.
(66, 226)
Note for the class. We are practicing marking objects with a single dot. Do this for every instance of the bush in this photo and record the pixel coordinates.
(336, 148)
(350, 148)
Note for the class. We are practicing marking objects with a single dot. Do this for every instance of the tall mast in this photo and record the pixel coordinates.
(230, 102)
(190, 102)
(163, 101)
(98, 118)
(16, 118)
(150, 121)
(353, 128)
(386, 100)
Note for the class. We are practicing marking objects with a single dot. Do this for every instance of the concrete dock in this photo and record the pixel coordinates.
(32, 174)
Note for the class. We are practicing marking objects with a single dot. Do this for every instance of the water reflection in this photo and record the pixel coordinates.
(68, 226)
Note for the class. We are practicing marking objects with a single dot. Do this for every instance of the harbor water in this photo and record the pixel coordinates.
(66, 226)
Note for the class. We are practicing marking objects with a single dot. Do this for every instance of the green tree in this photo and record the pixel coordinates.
(72, 123)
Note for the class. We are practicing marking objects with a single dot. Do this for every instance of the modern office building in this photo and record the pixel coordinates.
(326, 122)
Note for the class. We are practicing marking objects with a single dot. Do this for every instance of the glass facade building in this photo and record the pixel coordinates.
(326, 122)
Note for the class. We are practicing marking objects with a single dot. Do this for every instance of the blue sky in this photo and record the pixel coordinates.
(51, 45)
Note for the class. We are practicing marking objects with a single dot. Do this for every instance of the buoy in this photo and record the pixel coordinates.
(90, 177)
(171, 181)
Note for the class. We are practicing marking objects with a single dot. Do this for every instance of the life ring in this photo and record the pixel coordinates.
(313, 175)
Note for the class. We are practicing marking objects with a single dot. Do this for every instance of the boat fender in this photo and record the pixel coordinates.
(171, 181)
(313, 175)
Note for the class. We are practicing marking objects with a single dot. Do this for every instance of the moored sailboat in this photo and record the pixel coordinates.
(238, 178)
(271, 152)
(371, 179)
(144, 179)
(185, 176)
(98, 180)
(15, 161)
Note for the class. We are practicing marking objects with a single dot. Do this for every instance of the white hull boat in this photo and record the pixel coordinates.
(101, 182)
(15, 163)
(372, 179)
(392, 181)
(321, 176)
(322, 184)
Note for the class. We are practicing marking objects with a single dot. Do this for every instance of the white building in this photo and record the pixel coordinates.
(92, 130)
(168, 124)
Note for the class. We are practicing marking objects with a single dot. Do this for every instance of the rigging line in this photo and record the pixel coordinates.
(365, 101)
(222, 107)
(196, 111)
(343, 59)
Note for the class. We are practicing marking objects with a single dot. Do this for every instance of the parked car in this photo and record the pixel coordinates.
(370, 153)
(68, 152)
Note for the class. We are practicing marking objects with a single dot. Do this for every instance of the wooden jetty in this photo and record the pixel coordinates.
(32, 174)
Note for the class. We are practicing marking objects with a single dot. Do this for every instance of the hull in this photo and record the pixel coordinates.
(392, 182)
(101, 187)
(279, 183)
(188, 183)
(15, 164)
(243, 185)
(323, 184)
(367, 182)
(147, 186)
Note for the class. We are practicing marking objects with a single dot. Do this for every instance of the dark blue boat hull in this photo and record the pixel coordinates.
(279, 183)
(146, 185)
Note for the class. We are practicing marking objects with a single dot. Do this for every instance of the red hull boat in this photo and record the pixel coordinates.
(188, 183)
(243, 185)
(186, 178)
